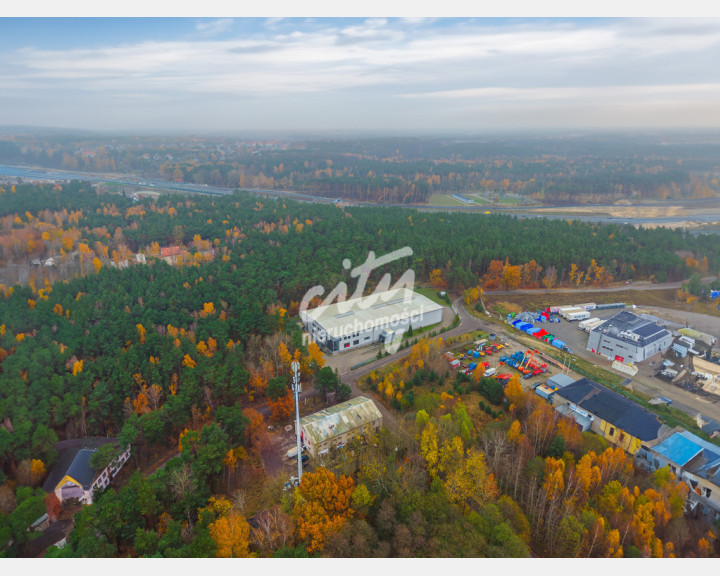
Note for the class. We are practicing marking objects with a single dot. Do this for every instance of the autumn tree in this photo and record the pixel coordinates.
(322, 506)
(436, 278)
(231, 534)
(511, 276)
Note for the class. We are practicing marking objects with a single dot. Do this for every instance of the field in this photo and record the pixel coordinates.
(432, 294)
(445, 200)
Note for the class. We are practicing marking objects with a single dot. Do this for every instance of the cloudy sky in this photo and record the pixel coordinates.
(359, 74)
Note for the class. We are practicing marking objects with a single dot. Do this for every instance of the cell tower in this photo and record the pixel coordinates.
(296, 388)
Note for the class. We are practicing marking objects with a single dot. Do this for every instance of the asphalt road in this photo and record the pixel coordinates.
(621, 288)
(467, 323)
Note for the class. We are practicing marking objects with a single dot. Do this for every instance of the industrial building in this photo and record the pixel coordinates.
(609, 414)
(335, 426)
(380, 317)
(693, 461)
(628, 338)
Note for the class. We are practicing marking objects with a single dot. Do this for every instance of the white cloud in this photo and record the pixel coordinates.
(214, 27)
(475, 64)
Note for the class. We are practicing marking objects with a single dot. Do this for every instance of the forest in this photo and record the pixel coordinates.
(188, 355)
(550, 170)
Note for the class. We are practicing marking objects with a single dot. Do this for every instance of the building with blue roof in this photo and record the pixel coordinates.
(693, 461)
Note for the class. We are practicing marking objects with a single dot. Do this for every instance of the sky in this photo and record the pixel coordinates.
(384, 75)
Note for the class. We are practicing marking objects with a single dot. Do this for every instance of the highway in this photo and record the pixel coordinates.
(710, 215)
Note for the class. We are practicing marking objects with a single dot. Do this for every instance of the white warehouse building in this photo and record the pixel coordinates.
(375, 318)
(628, 338)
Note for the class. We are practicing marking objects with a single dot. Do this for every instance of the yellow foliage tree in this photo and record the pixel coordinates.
(77, 367)
(231, 535)
(141, 332)
(429, 448)
(37, 471)
(316, 354)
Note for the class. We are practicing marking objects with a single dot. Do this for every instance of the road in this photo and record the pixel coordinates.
(687, 402)
(468, 323)
(620, 288)
(710, 215)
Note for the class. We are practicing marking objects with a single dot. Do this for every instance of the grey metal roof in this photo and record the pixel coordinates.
(560, 380)
(581, 419)
(629, 327)
(613, 408)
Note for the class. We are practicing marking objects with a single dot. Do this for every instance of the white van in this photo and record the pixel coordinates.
(292, 453)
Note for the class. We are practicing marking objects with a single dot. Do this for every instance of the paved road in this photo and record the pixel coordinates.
(467, 323)
(687, 402)
(621, 288)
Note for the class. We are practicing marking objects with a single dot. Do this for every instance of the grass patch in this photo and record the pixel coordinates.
(433, 295)
(505, 308)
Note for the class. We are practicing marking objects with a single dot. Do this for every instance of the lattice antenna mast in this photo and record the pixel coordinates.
(297, 388)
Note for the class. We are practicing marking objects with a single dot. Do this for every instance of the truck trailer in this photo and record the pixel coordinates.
(577, 315)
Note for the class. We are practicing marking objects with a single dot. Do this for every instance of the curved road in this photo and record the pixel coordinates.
(467, 323)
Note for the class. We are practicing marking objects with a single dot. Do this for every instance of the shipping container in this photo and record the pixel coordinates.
(584, 323)
(577, 315)
(588, 306)
(565, 312)
(558, 344)
(610, 306)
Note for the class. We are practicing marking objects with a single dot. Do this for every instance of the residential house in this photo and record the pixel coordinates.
(73, 477)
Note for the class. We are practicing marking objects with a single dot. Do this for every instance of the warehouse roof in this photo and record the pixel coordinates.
(678, 449)
(380, 309)
(560, 380)
(613, 408)
(631, 328)
(340, 418)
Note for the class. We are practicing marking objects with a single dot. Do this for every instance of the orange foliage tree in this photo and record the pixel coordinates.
(281, 408)
(231, 534)
(322, 507)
